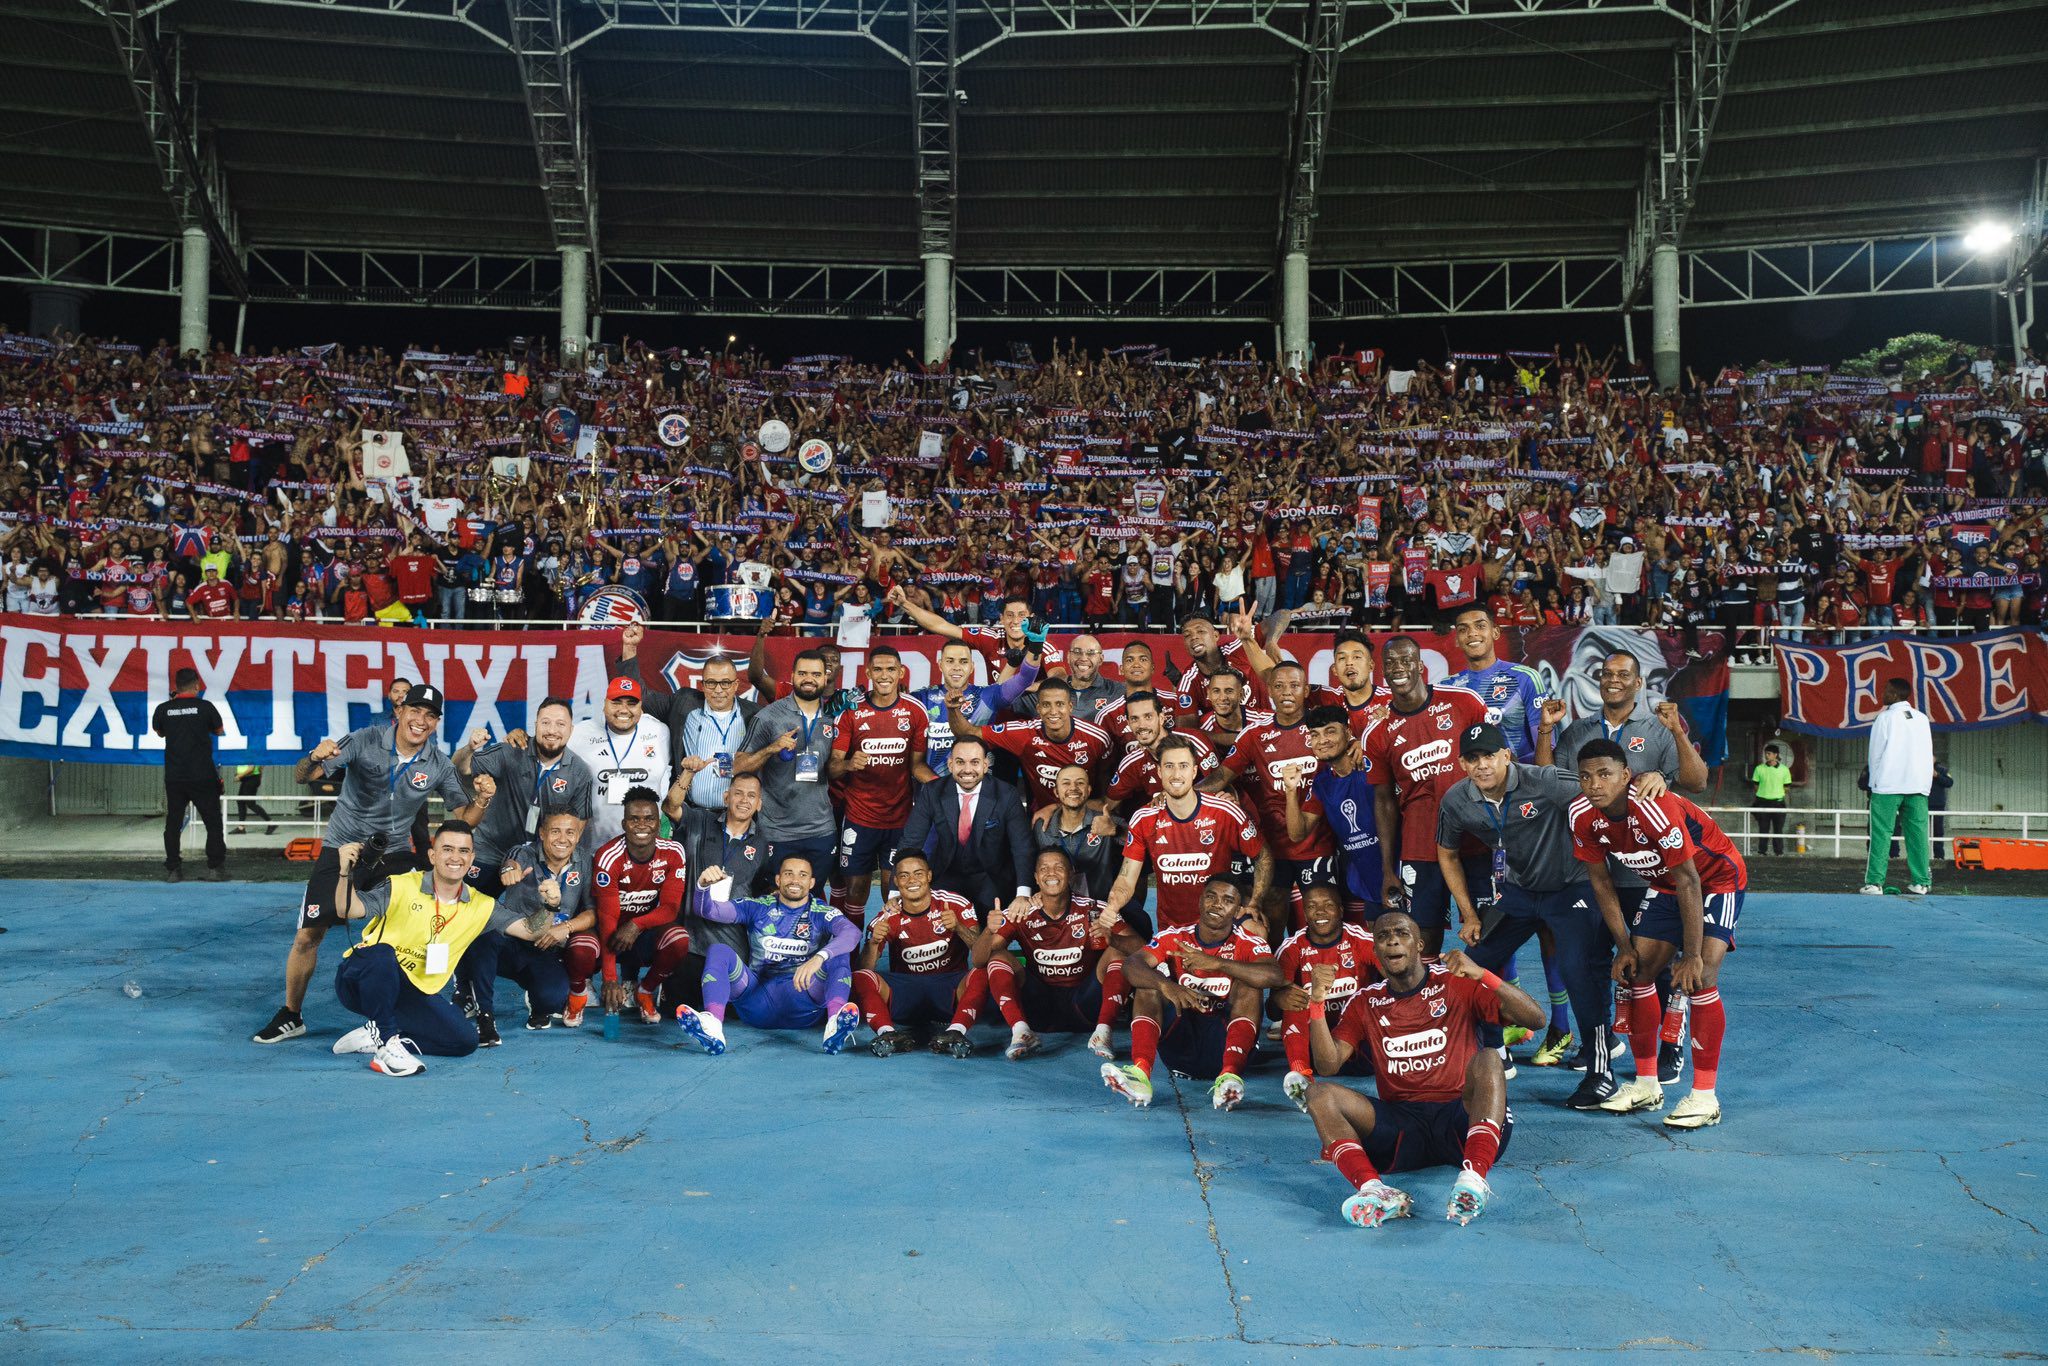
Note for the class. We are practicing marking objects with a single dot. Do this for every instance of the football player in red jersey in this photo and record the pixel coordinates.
(1065, 982)
(930, 935)
(1046, 745)
(1697, 883)
(1442, 1098)
(1269, 759)
(1185, 838)
(1203, 1024)
(877, 755)
(1353, 688)
(1325, 939)
(1137, 775)
(1228, 717)
(1135, 669)
(1412, 749)
(641, 882)
(1214, 653)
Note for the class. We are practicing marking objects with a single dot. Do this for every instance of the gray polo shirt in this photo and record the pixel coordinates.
(381, 791)
(522, 898)
(1533, 823)
(792, 809)
(527, 788)
(1649, 746)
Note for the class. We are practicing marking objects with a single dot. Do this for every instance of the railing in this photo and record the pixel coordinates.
(1826, 825)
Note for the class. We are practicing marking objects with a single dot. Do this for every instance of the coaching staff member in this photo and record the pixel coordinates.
(388, 771)
(188, 723)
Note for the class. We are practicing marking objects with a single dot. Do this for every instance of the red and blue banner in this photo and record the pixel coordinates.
(1961, 682)
(83, 689)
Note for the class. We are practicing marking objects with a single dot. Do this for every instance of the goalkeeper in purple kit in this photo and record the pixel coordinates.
(799, 967)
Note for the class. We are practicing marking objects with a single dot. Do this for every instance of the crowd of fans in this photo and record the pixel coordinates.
(1123, 489)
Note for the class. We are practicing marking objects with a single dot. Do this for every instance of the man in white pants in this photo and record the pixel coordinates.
(1901, 774)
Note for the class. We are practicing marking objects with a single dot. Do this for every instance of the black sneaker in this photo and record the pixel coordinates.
(539, 1019)
(286, 1024)
(467, 1004)
(173, 875)
(216, 874)
(890, 1042)
(953, 1043)
(1595, 1088)
(1584, 1061)
(487, 1032)
(1670, 1062)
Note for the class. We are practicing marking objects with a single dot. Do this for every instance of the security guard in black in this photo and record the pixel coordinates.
(188, 722)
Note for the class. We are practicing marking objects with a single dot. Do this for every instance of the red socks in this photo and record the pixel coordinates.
(1238, 1037)
(1294, 1039)
(579, 960)
(1645, 1028)
(867, 994)
(967, 1001)
(1002, 984)
(1352, 1163)
(1144, 1042)
(1114, 992)
(1482, 1146)
(668, 956)
(1709, 1023)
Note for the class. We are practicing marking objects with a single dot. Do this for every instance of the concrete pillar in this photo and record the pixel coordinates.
(1294, 311)
(193, 284)
(938, 307)
(575, 303)
(1664, 315)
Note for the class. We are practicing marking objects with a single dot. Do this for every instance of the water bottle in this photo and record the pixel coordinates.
(611, 1024)
(1621, 1010)
(1674, 1017)
(132, 990)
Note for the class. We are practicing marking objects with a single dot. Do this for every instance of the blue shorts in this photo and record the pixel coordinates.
(1408, 1135)
(863, 849)
(921, 997)
(1191, 1041)
(1429, 896)
(1059, 1010)
(776, 1003)
(1658, 918)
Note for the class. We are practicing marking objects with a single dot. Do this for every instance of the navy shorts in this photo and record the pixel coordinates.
(1658, 918)
(1059, 1010)
(863, 849)
(1298, 875)
(1429, 896)
(1408, 1135)
(921, 997)
(1191, 1041)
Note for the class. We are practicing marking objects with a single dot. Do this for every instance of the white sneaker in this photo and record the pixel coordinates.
(398, 1057)
(1696, 1110)
(1643, 1093)
(364, 1038)
(1098, 1042)
(1023, 1043)
(1870, 889)
(1918, 889)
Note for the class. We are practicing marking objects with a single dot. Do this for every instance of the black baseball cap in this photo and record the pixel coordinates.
(1484, 738)
(423, 695)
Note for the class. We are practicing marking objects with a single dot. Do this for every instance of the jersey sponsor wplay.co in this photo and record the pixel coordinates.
(1184, 853)
(922, 943)
(1417, 751)
(1060, 946)
(1654, 837)
(1421, 1041)
(1266, 761)
(878, 796)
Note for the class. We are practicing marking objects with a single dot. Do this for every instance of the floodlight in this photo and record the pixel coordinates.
(1987, 236)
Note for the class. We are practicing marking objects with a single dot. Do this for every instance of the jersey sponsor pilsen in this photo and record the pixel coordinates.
(878, 796)
(1185, 854)
(648, 893)
(1421, 1042)
(922, 943)
(1062, 948)
(1266, 759)
(1418, 753)
(1042, 758)
(1138, 774)
(1654, 837)
(1169, 945)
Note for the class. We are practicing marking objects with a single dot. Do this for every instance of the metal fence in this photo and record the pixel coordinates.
(1844, 832)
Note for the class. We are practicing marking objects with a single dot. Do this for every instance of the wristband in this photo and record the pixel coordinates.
(1489, 981)
(1316, 1010)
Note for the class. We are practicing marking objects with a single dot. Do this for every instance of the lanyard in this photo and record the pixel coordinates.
(613, 749)
(401, 765)
(725, 839)
(441, 922)
(808, 726)
(725, 727)
(540, 779)
(1614, 734)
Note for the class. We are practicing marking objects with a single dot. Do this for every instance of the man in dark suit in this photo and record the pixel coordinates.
(992, 865)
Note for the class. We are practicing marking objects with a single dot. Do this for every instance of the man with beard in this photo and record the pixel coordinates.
(1137, 774)
(1042, 747)
(1092, 691)
(625, 748)
(798, 968)
(1268, 760)
(1185, 840)
(788, 747)
(1213, 654)
(983, 702)
(1227, 717)
(388, 772)
(1137, 673)
(535, 777)
(542, 930)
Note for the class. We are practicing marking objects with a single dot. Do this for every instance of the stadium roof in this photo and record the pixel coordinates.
(1090, 133)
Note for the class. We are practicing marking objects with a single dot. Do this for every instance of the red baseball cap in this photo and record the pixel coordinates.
(623, 687)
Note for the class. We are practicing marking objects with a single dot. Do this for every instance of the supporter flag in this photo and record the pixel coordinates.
(384, 455)
(1368, 514)
(1701, 691)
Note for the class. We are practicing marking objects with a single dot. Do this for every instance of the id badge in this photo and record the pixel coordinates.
(806, 767)
(437, 959)
(1500, 865)
(722, 762)
(615, 789)
(533, 818)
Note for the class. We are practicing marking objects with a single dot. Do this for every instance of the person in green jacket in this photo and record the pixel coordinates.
(1771, 778)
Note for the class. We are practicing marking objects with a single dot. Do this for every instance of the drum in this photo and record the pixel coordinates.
(479, 593)
(507, 597)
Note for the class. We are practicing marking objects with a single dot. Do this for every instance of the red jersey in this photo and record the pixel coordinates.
(214, 599)
(1241, 947)
(1417, 751)
(1653, 838)
(1226, 745)
(1184, 854)
(992, 643)
(1423, 1040)
(922, 943)
(1351, 956)
(415, 576)
(878, 796)
(1359, 716)
(1193, 687)
(1063, 948)
(1266, 757)
(1138, 774)
(649, 894)
(1087, 744)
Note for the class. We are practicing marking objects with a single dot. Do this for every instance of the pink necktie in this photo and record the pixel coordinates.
(966, 818)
